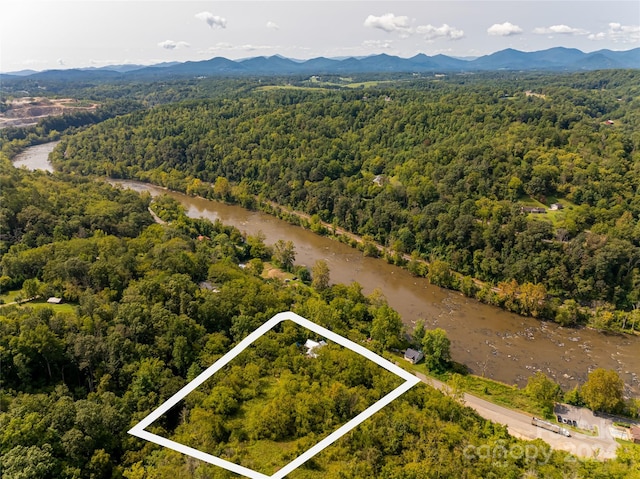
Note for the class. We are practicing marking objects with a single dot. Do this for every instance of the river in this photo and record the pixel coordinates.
(490, 341)
(36, 157)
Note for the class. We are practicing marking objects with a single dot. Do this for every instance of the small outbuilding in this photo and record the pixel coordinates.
(313, 346)
(380, 180)
(634, 434)
(556, 206)
(533, 209)
(54, 300)
(413, 356)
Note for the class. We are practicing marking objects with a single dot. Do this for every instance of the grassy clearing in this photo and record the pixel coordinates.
(555, 217)
(286, 87)
(272, 271)
(629, 444)
(269, 456)
(502, 394)
(57, 308)
(349, 83)
(368, 84)
(10, 297)
(319, 85)
(496, 392)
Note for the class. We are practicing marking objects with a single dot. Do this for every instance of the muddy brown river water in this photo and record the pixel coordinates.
(491, 342)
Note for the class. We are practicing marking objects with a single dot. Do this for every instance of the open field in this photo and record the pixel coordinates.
(9, 298)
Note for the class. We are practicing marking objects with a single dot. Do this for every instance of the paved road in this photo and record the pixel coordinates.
(519, 425)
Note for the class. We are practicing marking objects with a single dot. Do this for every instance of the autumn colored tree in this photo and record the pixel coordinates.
(603, 391)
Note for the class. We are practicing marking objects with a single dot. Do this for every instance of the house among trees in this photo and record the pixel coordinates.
(556, 206)
(54, 300)
(313, 346)
(380, 180)
(413, 356)
(634, 433)
(533, 209)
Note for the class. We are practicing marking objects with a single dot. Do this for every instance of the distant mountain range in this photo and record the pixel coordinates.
(553, 59)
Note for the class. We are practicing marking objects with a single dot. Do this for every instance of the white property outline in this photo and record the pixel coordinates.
(410, 381)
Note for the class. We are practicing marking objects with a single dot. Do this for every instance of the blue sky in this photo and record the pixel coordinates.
(50, 34)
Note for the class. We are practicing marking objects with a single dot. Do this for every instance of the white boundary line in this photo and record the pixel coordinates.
(410, 381)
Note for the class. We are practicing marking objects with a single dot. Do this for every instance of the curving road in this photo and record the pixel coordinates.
(519, 425)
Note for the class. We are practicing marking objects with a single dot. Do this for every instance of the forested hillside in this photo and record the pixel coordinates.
(149, 306)
(443, 171)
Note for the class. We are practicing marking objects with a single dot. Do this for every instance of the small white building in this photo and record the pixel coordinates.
(54, 300)
(556, 206)
(380, 180)
(313, 346)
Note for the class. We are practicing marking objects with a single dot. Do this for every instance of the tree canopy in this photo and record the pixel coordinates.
(152, 307)
(445, 170)
(603, 391)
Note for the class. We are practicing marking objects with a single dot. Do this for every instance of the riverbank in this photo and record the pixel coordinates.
(491, 342)
(529, 299)
(526, 299)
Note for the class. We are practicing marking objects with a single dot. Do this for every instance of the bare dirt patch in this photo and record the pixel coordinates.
(27, 111)
(539, 95)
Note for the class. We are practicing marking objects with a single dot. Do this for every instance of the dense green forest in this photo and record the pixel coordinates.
(433, 170)
(149, 306)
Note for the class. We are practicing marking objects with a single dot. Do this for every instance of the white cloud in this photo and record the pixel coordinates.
(220, 46)
(214, 21)
(250, 48)
(171, 45)
(388, 22)
(246, 47)
(445, 31)
(619, 33)
(377, 44)
(560, 30)
(273, 26)
(391, 23)
(505, 29)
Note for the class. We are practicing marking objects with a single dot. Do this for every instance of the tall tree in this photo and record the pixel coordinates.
(386, 327)
(544, 391)
(436, 347)
(284, 253)
(603, 391)
(320, 275)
